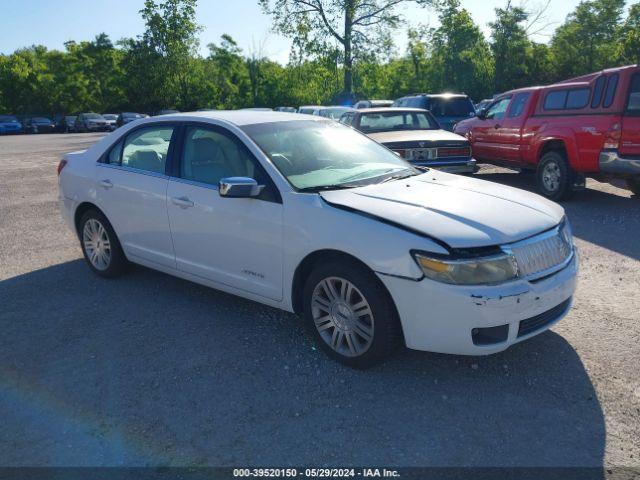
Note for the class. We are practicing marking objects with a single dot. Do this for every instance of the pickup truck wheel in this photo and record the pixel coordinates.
(555, 178)
(351, 314)
(634, 185)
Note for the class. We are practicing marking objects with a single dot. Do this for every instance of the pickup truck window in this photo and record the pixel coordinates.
(577, 99)
(498, 109)
(519, 102)
(610, 94)
(633, 105)
(598, 91)
(555, 100)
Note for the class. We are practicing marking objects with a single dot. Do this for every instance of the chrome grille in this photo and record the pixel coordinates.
(540, 255)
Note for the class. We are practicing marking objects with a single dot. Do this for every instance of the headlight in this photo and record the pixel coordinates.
(484, 270)
(566, 232)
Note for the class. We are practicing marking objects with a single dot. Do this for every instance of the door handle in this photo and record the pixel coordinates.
(106, 184)
(497, 125)
(182, 202)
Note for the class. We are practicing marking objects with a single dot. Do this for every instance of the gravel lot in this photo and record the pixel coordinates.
(153, 370)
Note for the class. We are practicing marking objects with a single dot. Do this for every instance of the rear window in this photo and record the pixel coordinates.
(555, 100)
(567, 99)
(393, 121)
(633, 105)
(610, 94)
(577, 99)
(451, 107)
(416, 102)
(8, 118)
(598, 91)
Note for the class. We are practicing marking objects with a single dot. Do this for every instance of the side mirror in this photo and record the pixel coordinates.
(482, 114)
(239, 187)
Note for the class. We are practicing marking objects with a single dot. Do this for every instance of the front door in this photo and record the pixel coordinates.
(132, 191)
(486, 132)
(232, 241)
(630, 140)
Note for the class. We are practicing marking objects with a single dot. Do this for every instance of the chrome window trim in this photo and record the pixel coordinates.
(133, 170)
(194, 183)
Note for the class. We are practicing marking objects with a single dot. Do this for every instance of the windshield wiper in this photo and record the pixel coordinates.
(399, 177)
(320, 188)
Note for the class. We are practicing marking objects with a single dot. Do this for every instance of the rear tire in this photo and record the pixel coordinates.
(100, 245)
(634, 185)
(350, 314)
(555, 177)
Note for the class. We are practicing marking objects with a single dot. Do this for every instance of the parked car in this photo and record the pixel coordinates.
(127, 117)
(166, 112)
(310, 216)
(373, 104)
(310, 109)
(64, 123)
(38, 125)
(286, 109)
(112, 120)
(448, 108)
(9, 124)
(583, 126)
(334, 113)
(415, 135)
(258, 109)
(91, 122)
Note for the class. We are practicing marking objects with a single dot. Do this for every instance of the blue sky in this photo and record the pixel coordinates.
(51, 22)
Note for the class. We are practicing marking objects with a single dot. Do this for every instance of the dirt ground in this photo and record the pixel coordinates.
(153, 370)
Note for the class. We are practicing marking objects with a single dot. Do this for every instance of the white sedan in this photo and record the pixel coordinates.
(310, 216)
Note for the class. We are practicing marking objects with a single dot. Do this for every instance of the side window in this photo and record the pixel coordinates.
(347, 119)
(610, 94)
(577, 99)
(498, 109)
(209, 156)
(519, 102)
(555, 100)
(147, 149)
(633, 105)
(598, 91)
(114, 155)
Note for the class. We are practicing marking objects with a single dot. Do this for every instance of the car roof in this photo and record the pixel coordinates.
(238, 117)
(390, 109)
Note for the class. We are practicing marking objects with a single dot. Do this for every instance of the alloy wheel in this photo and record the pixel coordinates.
(551, 175)
(96, 243)
(342, 316)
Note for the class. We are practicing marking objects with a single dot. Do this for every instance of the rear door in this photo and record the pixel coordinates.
(132, 191)
(630, 140)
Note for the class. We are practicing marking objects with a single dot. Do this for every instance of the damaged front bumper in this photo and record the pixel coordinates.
(479, 320)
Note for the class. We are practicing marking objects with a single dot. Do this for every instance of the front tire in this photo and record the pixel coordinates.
(555, 177)
(351, 314)
(100, 245)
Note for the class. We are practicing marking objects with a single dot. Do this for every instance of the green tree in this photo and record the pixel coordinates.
(510, 46)
(589, 39)
(359, 27)
(630, 37)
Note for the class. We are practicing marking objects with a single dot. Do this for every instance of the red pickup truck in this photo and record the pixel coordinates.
(586, 126)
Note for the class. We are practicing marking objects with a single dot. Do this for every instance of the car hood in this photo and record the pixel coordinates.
(459, 211)
(416, 136)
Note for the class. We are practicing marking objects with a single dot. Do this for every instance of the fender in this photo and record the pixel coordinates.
(566, 136)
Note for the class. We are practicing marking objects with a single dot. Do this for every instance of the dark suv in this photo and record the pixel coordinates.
(448, 108)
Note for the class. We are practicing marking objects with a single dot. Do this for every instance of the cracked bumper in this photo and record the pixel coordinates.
(440, 318)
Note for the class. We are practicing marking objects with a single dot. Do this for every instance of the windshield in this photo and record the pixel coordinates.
(93, 116)
(8, 118)
(41, 120)
(394, 120)
(451, 107)
(325, 155)
(110, 116)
